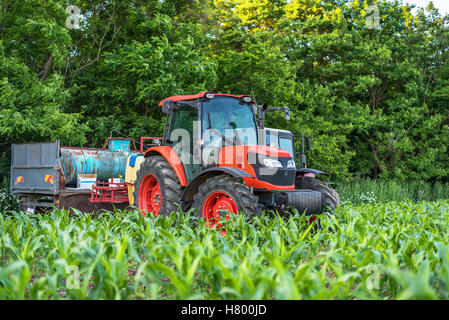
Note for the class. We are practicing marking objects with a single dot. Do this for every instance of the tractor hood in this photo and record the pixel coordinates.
(272, 168)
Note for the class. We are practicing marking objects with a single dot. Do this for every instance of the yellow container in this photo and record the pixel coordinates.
(132, 165)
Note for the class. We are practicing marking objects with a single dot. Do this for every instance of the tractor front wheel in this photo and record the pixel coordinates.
(221, 196)
(157, 189)
(329, 197)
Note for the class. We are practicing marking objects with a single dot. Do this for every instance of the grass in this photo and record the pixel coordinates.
(395, 250)
(372, 191)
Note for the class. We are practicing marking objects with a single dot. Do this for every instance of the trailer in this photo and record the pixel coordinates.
(44, 175)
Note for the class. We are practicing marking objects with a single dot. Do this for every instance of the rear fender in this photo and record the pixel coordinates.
(172, 158)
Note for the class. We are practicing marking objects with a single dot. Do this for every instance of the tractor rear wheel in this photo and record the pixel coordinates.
(221, 195)
(329, 197)
(157, 189)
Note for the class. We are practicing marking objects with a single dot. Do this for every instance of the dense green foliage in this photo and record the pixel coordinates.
(383, 251)
(8, 202)
(374, 101)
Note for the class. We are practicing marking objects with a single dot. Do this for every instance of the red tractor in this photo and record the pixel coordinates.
(214, 157)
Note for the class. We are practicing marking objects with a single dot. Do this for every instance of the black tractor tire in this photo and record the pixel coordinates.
(329, 197)
(22, 207)
(245, 200)
(168, 181)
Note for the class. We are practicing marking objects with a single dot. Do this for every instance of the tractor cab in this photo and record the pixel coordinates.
(198, 127)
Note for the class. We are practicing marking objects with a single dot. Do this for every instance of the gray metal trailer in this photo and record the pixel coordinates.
(37, 178)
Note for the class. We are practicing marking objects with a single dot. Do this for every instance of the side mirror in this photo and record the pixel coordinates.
(307, 144)
(286, 113)
(168, 107)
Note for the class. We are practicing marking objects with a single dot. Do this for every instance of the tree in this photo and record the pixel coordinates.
(373, 98)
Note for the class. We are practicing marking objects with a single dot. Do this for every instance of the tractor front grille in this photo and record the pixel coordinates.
(282, 177)
(276, 176)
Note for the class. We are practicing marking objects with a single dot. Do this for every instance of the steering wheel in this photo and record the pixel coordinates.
(219, 134)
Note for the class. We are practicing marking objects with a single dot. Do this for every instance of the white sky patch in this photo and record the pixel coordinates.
(441, 5)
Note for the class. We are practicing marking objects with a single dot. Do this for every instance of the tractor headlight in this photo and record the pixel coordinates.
(246, 99)
(291, 164)
(272, 163)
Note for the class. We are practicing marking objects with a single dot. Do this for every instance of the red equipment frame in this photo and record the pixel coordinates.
(104, 192)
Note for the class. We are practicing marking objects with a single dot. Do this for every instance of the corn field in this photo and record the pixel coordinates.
(395, 250)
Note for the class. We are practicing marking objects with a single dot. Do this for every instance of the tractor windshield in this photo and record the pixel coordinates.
(229, 120)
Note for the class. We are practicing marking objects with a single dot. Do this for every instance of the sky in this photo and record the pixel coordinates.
(441, 5)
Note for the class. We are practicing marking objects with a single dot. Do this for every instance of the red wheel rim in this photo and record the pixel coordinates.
(150, 198)
(312, 219)
(218, 204)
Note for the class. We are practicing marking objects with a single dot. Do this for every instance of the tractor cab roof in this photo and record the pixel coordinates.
(279, 131)
(199, 96)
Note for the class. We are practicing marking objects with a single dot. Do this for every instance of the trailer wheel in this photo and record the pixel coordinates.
(221, 195)
(329, 197)
(157, 188)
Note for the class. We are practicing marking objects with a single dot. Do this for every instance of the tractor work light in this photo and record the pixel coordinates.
(209, 95)
(246, 99)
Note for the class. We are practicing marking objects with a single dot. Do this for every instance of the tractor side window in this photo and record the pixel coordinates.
(184, 117)
(182, 131)
(286, 144)
(272, 140)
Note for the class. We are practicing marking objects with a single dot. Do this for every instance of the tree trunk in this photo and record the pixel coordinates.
(47, 67)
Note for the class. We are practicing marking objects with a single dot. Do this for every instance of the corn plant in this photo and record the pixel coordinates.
(393, 250)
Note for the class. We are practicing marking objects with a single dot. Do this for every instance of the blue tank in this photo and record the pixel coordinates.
(105, 163)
